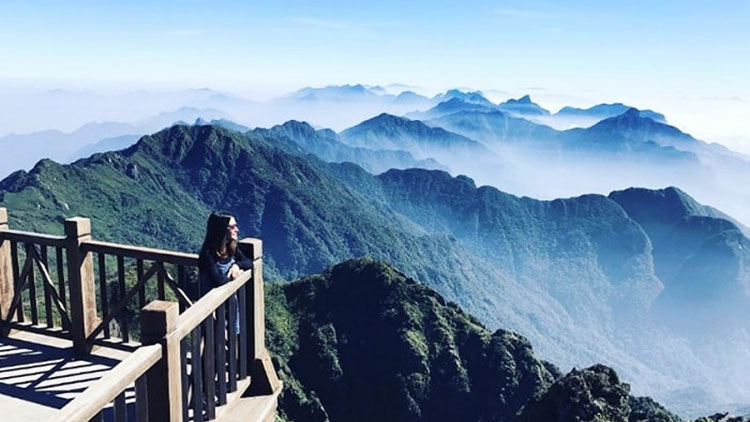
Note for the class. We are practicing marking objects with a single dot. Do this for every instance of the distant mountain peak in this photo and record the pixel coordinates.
(296, 124)
(526, 99)
(475, 97)
(633, 112)
(522, 106)
(665, 205)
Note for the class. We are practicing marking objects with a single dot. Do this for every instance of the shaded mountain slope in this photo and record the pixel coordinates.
(700, 254)
(604, 111)
(391, 132)
(496, 127)
(325, 144)
(362, 341)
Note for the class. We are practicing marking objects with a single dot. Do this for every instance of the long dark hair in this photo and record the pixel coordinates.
(218, 241)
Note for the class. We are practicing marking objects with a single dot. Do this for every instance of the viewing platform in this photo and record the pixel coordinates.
(100, 331)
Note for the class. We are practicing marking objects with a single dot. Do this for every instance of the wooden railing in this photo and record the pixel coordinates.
(74, 301)
(22, 254)
(194, 360)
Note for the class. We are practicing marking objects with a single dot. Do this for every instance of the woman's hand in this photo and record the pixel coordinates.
(234, 272)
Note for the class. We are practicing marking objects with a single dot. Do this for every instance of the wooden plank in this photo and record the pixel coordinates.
(103, 291)
(137, 252)
(141, 399)
(243, 344)
(102, 392)
(184, 346)
(161, 293)
(257, 330)
(121, 410)
(32, 285)
(209, 370)
(14, 258)
(197, 375)
(235, 399)
(42, 261)
(221, 355)
(61, 278)
(7, 281)
(142, 291)
(158, 319)
(121, 287)
(35, 238)
(232, 353)
(49, 332)
(82, 307)
(182, 285)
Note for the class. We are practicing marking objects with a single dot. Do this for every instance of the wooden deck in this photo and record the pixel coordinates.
(66, 333)
(39, 374)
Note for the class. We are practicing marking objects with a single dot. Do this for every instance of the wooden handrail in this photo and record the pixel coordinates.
(98, 396)
(205, 306)
(31, 237)
(137, 252)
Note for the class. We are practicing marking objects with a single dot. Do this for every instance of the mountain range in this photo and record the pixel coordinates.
(583, 279)
(90, 138)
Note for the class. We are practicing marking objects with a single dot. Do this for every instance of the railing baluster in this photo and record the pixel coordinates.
(32, 287)
(243, 345)
(16, 269)
(209, 371)
(103, 292)
(47, 295)
(197, 374)
(181, 283)
(221, 354)
(61, 279)
(141, 399)
(160, 284)
(121, 409)
(184, 345)
(121, 296)
(99, 417)
(142, 291)
(232, 333)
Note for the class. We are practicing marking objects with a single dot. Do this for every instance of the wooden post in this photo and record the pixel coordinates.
(263, 379)
(81, 283)
(253, 249)
(163, 380)
(7, 284)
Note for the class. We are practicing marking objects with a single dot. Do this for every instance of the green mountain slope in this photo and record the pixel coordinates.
(363, 342)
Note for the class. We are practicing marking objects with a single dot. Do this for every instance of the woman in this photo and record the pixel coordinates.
(220, 261)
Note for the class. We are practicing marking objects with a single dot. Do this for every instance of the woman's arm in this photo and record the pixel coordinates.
(242, 261)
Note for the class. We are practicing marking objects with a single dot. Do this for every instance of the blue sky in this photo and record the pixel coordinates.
(657, 54)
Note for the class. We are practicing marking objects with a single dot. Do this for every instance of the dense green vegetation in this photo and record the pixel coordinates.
(364, 342)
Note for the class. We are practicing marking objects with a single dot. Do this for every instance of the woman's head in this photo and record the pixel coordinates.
(221, 234)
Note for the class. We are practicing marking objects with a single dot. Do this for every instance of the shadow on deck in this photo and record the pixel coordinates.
(39, 374)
